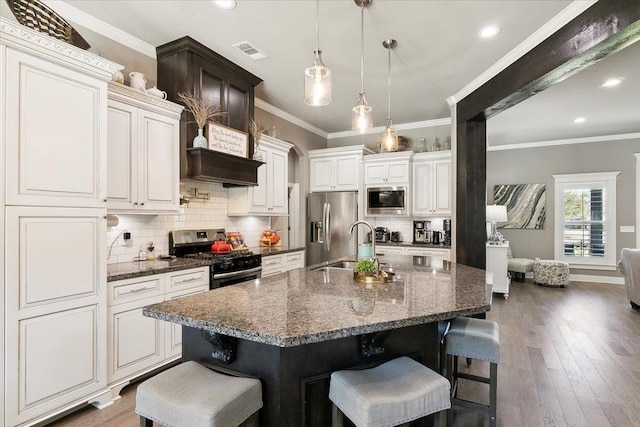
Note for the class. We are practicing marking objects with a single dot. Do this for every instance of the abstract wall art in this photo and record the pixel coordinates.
(525, 203)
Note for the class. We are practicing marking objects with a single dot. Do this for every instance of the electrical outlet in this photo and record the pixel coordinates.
(627, 229)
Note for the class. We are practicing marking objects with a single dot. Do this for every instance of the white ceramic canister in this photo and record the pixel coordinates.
(138, 81)
(154, 91)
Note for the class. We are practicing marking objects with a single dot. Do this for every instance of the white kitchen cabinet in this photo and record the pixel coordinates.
(336, 169)
(143, 152)
(431, 184)
(270, 196)
(436, 253)
(55, 151)
(138, 344)
(389, 250)
(57, 272)
(386, 169)
(181, 284)
(54, 314)
(497, 268)
(281, 263)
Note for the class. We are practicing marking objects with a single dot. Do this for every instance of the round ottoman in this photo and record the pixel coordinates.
(551, 273)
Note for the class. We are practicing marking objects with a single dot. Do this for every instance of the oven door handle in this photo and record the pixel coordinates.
(237, 273)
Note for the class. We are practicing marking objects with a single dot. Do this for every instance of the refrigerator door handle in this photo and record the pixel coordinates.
(327, 226)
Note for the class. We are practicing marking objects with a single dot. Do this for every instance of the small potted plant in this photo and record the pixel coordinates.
(364, 268)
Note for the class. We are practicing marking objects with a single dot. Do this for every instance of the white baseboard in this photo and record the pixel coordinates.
(596, 279)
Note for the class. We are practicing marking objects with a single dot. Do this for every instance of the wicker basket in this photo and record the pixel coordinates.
(35, 15)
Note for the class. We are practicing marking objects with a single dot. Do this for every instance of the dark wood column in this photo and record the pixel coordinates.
(603, 29)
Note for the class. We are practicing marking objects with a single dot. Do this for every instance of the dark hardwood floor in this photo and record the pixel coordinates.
(570, 357)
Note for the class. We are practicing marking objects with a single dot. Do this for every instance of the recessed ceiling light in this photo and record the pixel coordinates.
(225, 4)
(489, 31)
(612, 82)
(579, 120)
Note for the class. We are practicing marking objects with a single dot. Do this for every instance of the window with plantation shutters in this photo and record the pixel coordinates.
(584, 222)
(585, 219)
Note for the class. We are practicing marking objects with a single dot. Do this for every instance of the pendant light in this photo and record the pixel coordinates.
(389, 136)
(361, 118)
(317, 78)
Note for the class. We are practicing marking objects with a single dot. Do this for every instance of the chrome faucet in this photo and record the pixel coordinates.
(373, 241)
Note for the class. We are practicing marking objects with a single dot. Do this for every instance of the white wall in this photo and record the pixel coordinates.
(537, 164)
(371, 140)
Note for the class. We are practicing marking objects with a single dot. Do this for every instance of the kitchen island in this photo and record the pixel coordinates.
(293, 329)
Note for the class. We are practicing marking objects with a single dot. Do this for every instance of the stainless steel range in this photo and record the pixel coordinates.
(226, 268)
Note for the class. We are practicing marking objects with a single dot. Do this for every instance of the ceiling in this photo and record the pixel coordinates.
(438, 52)
(549, 115)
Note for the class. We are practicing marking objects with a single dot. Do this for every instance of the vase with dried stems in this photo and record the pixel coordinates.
(256, 129)
(202, 111)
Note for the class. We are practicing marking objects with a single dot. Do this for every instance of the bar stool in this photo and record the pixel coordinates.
(473, 339)
(192, 395)
(391, 394)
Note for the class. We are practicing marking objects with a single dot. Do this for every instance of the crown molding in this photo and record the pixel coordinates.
(554, 24)
(265, 106)
(32, 41)
(585, 140)
(402, 126)
(94, 24)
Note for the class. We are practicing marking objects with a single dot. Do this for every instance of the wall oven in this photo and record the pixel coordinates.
(387, 201)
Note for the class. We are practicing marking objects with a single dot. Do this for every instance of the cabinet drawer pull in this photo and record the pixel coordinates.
(131, 291)
(190, 279)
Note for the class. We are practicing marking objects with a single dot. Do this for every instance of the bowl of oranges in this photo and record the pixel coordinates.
(270, 238)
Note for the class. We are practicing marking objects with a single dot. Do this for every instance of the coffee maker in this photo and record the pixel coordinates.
(421, 231)
(446, 224)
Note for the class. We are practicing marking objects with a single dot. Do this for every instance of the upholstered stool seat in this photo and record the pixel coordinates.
(518, 267)
(390, 394)
(551, 273)
(191, 395)
(473, 339)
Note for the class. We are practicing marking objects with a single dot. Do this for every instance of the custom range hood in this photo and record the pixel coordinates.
(185, 65)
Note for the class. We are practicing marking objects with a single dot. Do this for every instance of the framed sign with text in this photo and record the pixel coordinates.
(227, 140)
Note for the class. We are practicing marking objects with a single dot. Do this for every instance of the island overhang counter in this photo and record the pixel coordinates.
(293, 329)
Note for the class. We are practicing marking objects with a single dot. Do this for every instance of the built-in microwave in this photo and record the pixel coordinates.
(387, 200)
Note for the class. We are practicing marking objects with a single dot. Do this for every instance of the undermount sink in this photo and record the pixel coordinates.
(339, 265)
(349, 265)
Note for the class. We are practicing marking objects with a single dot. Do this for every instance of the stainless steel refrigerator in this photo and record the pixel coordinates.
(329, 216)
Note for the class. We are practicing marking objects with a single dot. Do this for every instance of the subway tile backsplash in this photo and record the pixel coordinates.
(211, 213)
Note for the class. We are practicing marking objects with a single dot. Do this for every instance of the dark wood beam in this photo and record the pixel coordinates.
(603, 29)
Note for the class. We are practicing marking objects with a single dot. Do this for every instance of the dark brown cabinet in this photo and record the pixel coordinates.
(186, 65)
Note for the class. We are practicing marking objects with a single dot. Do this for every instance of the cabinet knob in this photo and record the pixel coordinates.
(135, 203)
(104, 200)
(142, 204)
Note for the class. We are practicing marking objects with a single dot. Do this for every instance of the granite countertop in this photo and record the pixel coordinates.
(129, 270)
(305, 306)
(275, 250)
(415, 245)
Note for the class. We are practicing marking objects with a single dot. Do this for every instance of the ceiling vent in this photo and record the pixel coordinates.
(250, 50)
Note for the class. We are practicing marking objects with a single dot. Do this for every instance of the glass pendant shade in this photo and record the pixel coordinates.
(362, 117)
(317, 83)
(389, 140)
(362, 113)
